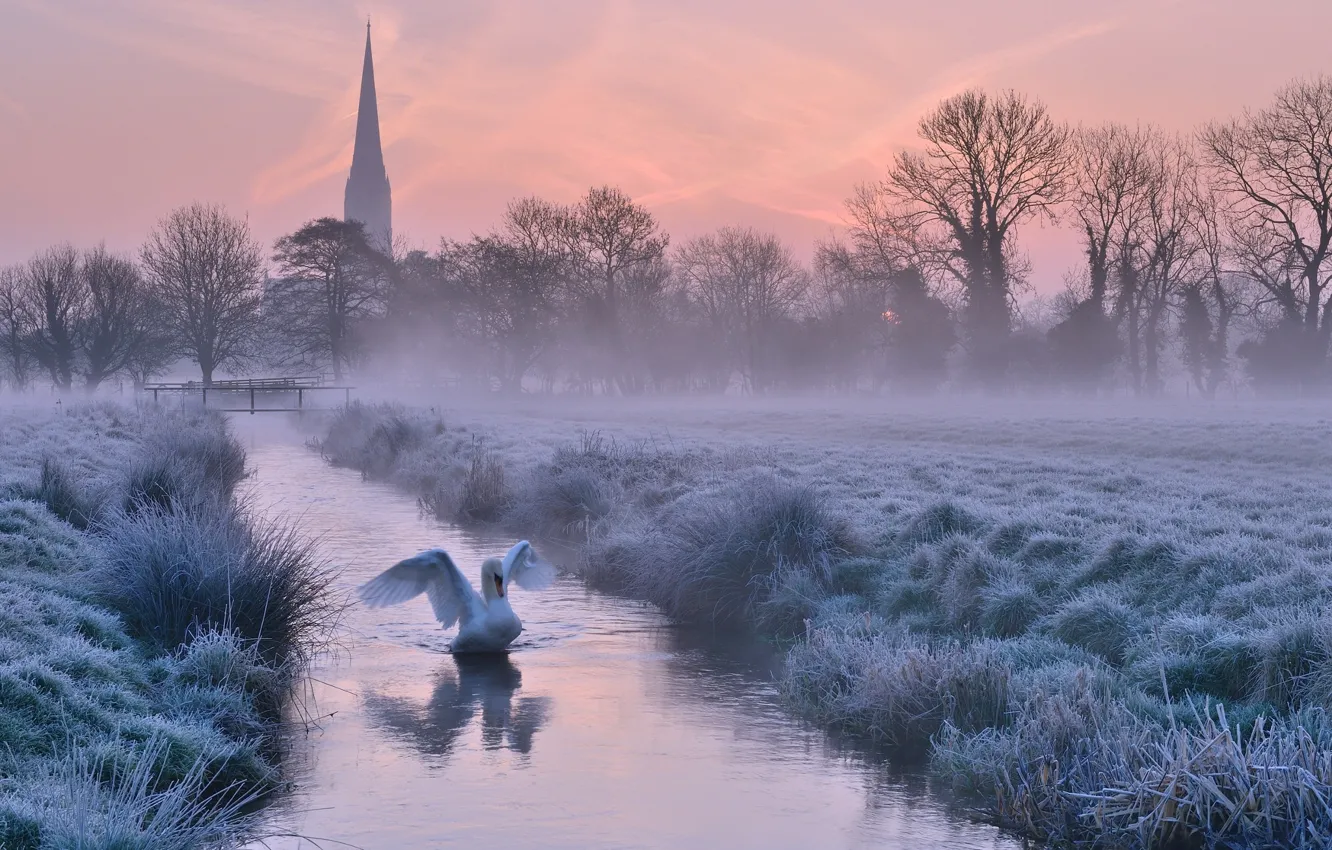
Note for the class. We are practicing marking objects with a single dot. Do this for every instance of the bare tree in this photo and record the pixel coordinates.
(121, 327)
(329, 281)
(850, 288)
(1106, 197)
(990, 163)
(207, 270)
(513, 280)
(1214, 297)
(15, 328)
(1112, 174)
(55, 297)
(1169, 233)
(749, 282)
(610, 236)
(1276, 166)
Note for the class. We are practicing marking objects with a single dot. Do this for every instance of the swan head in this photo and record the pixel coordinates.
(492, 579)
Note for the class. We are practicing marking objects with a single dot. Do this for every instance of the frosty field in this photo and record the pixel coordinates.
(150, 634)
(1111, 623)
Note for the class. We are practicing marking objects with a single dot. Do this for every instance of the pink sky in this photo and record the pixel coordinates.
(711, 112)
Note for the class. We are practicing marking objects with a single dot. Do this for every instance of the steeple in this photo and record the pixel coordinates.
(368, 198)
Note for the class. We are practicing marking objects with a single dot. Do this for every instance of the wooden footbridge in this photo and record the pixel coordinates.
(252, 395)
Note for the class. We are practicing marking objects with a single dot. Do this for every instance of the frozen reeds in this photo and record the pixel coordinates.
(113, 797)
(1088, 771)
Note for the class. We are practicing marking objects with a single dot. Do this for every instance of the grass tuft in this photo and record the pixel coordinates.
(112, 797)
(730, 557)
(1098, 623)
(484, 496)
(57, 490)
(173, 576)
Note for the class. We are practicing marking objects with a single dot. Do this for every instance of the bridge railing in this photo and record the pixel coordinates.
(265, 395)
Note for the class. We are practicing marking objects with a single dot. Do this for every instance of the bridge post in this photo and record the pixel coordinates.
(251, 400)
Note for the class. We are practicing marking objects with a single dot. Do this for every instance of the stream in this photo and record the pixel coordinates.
(606, 726)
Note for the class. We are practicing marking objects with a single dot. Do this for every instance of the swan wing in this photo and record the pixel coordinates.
(434, 574)
(523, 568)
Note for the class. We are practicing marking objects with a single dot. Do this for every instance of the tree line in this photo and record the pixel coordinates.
(1204, 254)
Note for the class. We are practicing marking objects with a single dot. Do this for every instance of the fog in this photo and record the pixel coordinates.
(1068, 555)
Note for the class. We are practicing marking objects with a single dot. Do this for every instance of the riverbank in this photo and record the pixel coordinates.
(1115, 629)
(151, 633)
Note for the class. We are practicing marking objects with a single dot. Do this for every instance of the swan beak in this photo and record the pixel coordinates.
(499, 585)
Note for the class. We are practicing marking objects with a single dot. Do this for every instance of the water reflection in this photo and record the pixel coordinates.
(639, 721)
(462, 686)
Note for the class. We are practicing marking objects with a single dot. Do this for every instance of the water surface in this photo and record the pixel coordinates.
(605, 727)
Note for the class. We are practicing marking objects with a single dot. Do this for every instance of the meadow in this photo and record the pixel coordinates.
(1109, 622)
(151, 636)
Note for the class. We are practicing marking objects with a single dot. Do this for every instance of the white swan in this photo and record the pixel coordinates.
(487, 623)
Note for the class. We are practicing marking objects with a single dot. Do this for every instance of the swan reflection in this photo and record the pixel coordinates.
(469, 683)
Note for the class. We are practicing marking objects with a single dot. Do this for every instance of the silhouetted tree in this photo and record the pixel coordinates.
(850, 292)
(749, 281)
(1083, 345)
(1107, 194)
(122, 329)
(512, 286)
(1218, 290)
(921, 334)
(207, 270)
(421, 326)
(1167, 240)
(990, 163)
(55, 298)
(1195, 330)
(610, 236)
(330, 281)
(15, 328)
(1275, 165)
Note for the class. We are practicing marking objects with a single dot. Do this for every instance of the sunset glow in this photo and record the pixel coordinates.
(741, 112)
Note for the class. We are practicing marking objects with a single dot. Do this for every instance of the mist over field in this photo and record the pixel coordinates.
(839, 542)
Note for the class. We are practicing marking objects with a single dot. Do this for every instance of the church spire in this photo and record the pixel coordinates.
(368, 198)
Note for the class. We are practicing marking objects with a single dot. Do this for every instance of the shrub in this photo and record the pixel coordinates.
(937, 522)
(164, 483)
(563, 501)
(896, 688)
(1009, 608)
(373, 438)
(56, 489)
(207, 445)
(1082, 770)
(173, 576)
(483, 496)
(92, 798)
(1291, 653)
(721, 555)
(1097, 622)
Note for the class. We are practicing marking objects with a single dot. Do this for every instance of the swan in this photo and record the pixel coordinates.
(486, 622)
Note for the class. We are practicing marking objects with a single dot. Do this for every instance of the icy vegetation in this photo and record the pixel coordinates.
(1116, 630)
(150, 634)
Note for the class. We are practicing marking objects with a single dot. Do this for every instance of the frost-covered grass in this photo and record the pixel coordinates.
(115, 734)
(1015, 592)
